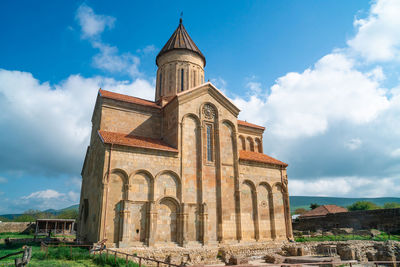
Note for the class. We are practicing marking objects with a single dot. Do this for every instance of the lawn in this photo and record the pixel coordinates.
(61, 256)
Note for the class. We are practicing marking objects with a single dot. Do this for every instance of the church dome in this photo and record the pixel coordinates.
(180, 40)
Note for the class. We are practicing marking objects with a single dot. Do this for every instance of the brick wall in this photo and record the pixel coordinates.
(384, 219)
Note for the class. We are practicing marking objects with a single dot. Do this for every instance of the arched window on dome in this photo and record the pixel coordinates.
(182, 77)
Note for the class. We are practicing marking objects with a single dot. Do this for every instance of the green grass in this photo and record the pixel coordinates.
(381, 237)
(62, 256)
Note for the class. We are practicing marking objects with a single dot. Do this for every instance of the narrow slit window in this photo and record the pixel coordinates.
(182, 73)
(209, 143)
(160, 87)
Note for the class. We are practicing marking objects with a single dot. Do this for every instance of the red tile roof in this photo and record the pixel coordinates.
(134, 141)
(259, 157)
(248, 124)
(127, 98)
(323, 210)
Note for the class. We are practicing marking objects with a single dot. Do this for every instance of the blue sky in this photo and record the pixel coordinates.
(322, 76)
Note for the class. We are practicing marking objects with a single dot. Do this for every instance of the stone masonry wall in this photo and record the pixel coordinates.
(387, 220)
(16, 227)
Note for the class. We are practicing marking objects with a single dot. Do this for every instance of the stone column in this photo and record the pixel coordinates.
(204, 223)
(256, 216)
(151, 224)
(184, 224)
(124, 224)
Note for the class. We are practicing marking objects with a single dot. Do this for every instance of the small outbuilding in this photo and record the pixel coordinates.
(55, 226)
(322, 210)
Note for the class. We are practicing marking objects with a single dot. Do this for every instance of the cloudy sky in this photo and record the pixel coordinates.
(322, 76)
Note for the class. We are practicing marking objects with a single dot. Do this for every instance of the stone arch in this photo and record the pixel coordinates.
(267, 221)
(249, 212)
(167, 219)
(167, 183)
(279, 210)
(250, 143)
(242, 143)
(258, 146)
(141, 184)
(191, 115)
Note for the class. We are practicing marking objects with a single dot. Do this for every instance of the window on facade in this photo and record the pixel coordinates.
(160, 87)
(209, 143)
(182, 73)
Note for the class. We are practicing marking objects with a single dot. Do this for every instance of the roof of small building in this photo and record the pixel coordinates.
(259, 157)
(127, 98)
(55, 220)
(134, 141)
(180, 39)
(323, 210)
(251, 125)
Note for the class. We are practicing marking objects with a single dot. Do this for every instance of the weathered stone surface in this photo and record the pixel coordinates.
(274, 258)
(16, 227)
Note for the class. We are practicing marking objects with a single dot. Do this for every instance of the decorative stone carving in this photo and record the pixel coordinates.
(209, 112)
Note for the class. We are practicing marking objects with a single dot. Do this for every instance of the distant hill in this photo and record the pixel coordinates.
(52, 211)
(305, 201)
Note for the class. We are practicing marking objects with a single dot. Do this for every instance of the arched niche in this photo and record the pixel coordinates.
(167, 220)
(279, 210)
(266, 211)
(115, 196)
(141, 186)
(248, 210)
(242, 142)
(258, 146)
(167, 183)
(250, 143)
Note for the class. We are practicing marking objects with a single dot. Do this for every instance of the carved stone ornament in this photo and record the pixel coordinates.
(208, 111)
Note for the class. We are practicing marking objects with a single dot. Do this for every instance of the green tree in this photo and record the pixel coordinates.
(363, 205)
(25, 218)
(68, 214)
(300, 211)
(314, 206)
(4, 219)
(391, 205)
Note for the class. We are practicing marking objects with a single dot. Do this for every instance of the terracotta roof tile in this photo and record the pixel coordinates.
(248, 124)
(323, 210)
(127, 98)
(134, 141)
(259, 157)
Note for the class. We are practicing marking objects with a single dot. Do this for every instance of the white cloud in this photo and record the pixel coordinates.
(92, 24)
(108, 59)
(346, 186)
(353, 144)
(305, 104)
(147, 49)
(73, 196)
(45, 194)
(395, 153)
(45, 128)
(378, 35)
(3, 180)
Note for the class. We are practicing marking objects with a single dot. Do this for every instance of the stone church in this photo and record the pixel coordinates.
(182, 169)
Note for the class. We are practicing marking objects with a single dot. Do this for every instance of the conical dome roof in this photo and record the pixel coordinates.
(180, 39)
